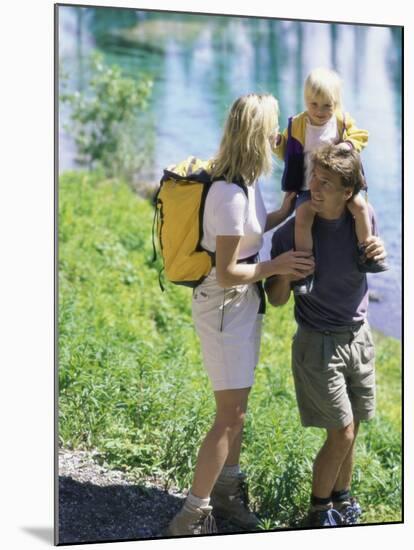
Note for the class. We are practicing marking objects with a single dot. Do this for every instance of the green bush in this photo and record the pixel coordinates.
(105, 119)
(131, 379)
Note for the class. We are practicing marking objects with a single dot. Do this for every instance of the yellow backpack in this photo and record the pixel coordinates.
(179, 207)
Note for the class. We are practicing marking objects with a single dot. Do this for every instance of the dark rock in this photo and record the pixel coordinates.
(374, 296)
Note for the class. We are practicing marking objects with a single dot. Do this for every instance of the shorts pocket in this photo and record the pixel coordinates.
(200, 295)
(366, 347)
(367, 353)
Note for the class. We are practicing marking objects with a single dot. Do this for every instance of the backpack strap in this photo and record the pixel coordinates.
(154, 222)
(289, 128)
(243, 187)
(343, 125)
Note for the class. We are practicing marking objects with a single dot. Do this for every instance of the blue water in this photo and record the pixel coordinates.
(201, 63)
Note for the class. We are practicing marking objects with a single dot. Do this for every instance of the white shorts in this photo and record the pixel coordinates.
(229, 335)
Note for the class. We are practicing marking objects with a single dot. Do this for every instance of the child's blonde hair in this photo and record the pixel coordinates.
(245, 150)
(325, 83)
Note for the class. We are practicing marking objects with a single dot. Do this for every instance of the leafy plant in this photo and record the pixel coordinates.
(105, 119)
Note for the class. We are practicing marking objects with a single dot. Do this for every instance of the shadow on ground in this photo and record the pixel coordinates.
(91, 513)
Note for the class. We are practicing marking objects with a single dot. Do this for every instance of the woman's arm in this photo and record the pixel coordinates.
(279, 145)
(278, 216)
(230, 273)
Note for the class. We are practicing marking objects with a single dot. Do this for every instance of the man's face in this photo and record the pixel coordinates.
(328, 195)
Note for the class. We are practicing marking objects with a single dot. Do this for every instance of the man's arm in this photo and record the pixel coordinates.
(278, 289)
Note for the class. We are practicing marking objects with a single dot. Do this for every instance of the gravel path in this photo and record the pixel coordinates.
(97, 504)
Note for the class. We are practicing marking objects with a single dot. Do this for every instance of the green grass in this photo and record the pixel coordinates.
(132, 384)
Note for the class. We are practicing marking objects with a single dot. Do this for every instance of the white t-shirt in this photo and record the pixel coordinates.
(315, 137)
(228, 212)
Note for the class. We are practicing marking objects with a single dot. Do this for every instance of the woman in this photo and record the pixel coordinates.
(228, 305)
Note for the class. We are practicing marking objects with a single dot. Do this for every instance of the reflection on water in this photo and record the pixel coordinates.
(201, 63)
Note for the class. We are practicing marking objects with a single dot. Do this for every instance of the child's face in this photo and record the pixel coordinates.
(319, 109)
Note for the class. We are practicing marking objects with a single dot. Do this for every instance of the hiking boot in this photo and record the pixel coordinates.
(192, 521)
(369, 265)
(350, 511)
(230, 500)
(324, 518)
(302, 286)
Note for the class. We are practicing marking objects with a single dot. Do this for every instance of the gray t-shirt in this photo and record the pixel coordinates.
(340, 293)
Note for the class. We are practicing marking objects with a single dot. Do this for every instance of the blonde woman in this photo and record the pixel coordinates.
(228, 306)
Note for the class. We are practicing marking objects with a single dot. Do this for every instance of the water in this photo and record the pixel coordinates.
(201, 63)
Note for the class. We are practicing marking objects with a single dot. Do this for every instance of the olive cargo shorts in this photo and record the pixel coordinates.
(334, 375)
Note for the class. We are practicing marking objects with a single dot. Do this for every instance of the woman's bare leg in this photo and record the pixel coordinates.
(219, 441)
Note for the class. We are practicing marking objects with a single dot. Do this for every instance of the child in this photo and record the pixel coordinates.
(322, 123)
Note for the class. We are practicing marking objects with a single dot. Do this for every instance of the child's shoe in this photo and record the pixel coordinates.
(350, 511)
(369, 265)
(324, 518)
(302, 286)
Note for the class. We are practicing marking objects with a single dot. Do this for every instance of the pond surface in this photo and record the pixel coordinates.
(200, 64)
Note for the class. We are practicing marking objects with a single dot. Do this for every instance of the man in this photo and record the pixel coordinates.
(332, 350)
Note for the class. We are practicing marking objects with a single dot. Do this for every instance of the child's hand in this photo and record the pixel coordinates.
(344, 146)
(374, 248)
(275, 141)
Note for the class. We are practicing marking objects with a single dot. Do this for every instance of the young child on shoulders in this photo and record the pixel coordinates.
(323, 122)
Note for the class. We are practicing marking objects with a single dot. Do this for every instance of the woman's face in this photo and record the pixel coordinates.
(319, 109)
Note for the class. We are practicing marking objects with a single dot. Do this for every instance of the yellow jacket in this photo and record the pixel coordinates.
(290, 148)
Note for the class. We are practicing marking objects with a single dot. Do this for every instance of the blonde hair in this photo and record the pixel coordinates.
(325, 83)
(245, 150)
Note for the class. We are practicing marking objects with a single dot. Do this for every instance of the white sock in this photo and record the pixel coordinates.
(230, 471)
(195, 502)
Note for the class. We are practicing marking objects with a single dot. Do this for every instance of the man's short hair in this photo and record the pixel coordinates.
(346, 163)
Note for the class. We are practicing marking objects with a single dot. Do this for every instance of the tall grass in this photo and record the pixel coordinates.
(131, 379)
